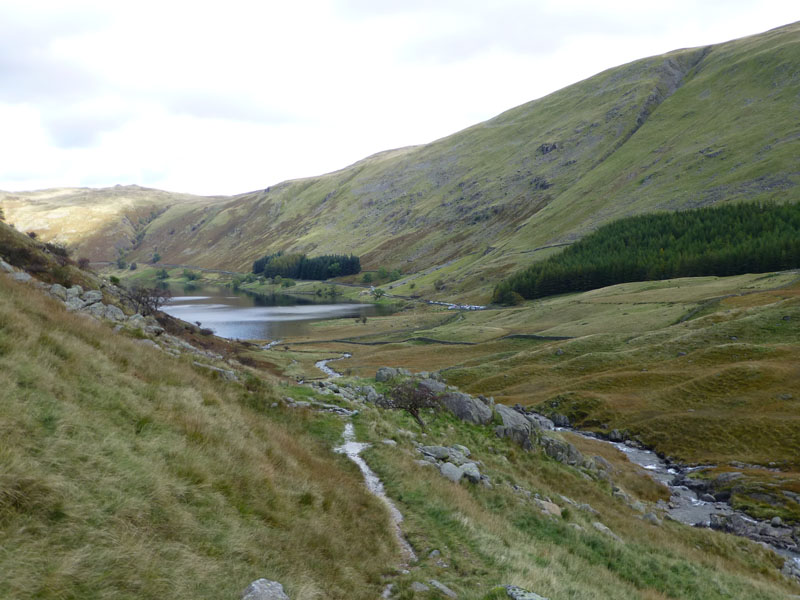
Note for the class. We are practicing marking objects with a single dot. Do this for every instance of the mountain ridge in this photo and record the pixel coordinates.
(689, 128)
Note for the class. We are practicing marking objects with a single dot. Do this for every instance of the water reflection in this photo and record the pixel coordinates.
(241, 315)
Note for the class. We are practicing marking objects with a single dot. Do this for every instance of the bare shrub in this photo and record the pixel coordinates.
(413, 398)
(148, 300)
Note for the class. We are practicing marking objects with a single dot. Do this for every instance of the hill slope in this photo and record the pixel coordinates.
(689, 128)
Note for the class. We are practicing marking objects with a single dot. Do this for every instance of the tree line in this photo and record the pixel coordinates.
(300, 266)
(722, 241)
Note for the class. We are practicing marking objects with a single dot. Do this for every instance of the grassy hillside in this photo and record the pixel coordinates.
(690, 128)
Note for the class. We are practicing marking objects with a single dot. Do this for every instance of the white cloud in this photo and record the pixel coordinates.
(223, 98)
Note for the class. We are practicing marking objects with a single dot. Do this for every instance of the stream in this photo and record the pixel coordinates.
(686, 506)
(352, 449)
(322, 365)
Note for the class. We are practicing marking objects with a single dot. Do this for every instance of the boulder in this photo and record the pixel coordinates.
(136, 321)
(471, 472)
(264, 589)
(437, 452)
(385, 374)
(97, 310)
(549, 508)
(515, 426)
(603, 529)
(443, 589)
(4, 266)
(74, 303)
(92, 296)
(538, 421)
(451, 471)
(517, 593)
(435, 387)
(21, 276)
(463, 449)
(652, 518)
(59, 291)
(114, 313)
(562, 451)
(467, 408)
(615, 435)
(457, 458)
(418, 586)
(370, 394)
(75, 291)
(560, 420)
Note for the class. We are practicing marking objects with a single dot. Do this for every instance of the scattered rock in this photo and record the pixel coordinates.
(92, 296)
(73, 303)
(467, 408)
(471, 472)
(437, 452)
(652, 518)
(443, 589)
(389, 442)
(603, 529)
(549, 507)
(562, 451)
(264, 589)
(418, 586)
(224, 373)
(21, 276)
(517, 593)
(451, 471)
(59, 291)
(97, 310)
(463, 449)
(385, 374)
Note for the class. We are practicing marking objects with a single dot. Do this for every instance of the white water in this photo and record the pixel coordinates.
(352, 449)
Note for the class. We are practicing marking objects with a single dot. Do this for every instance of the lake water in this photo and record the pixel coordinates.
(244, 316)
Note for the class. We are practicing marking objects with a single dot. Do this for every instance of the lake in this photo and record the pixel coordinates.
(247, 316)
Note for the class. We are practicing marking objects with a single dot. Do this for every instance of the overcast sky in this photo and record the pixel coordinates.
(227, 97)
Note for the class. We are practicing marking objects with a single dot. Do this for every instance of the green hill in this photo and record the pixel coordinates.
(690, 128)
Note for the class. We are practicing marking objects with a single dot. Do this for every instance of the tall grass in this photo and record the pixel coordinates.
(124, 473)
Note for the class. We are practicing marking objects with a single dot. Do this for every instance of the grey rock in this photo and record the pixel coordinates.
(602, 463)
(471, 472)
(149, 343)
(385, 374)
(463, 449)
(21, 276)
(457, 458)
(75, 291)
(776, 522)
(437, 452)
(59, 291)
(451, 471)
(638, 506)
(652, 518)
(435, 387)
(434, 554)
(264, 589)
(443, 589)
(388, 442)
(370, 394)
(588, 508)
(74, 303)
(707, 497)
(114, 313)
(137, 321)
(418, 586)
(92, 296)
(515, 426)
(538, 421)
(562, 451)
(603, 529)
(4, 266)
(226, 374)
(616, 436)
(549, 508)
(726, 478)
(518, 593)
(560, 420)
(467, 408)
(97, 310)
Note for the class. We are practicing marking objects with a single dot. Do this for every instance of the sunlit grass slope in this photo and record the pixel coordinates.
(125, 473)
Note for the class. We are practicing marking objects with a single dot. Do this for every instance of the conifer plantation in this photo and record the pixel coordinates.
(729, 240)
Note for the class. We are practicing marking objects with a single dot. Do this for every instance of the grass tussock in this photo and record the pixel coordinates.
(127, 474)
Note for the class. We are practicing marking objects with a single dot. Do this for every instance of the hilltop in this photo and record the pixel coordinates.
(690, 128)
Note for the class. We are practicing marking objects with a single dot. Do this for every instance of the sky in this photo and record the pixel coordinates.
(228, 97)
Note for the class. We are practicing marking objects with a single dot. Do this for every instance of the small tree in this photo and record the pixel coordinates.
(83, 263)
(156, 258)
(121, 264)
(412, 397)
(367, 278)
(148, 300)
(162, 274)
(378, 293)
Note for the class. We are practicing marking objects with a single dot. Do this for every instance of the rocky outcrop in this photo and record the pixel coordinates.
(562, 451)
(467, 408)
(515, 426)
(518, 593)
(264, 589)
